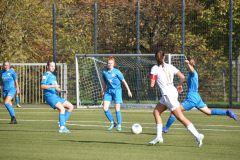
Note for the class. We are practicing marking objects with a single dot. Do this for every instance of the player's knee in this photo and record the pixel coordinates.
(180, 117)
(70, 107)
(60, 108)
(7, 100)
(7, 104)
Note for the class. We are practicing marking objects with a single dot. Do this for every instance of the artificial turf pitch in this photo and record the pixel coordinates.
(36, 137)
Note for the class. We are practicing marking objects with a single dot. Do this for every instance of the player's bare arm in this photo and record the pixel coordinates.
(127, 87)
(181, 80)
(189, 66)
(152, 80)
(43, 86)
(17, 86)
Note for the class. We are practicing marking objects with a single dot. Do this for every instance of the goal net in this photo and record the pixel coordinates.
(135, 68)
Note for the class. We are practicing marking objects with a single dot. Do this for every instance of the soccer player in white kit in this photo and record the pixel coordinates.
(164, 73)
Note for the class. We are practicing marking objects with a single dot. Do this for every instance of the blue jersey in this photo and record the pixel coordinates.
(113, 78)
(49, 78)
(192, 81)
(193, 99)
(8, 79)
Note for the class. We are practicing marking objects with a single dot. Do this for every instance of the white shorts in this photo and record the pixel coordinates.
(171, 102)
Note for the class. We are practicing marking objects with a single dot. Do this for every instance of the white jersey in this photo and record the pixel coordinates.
(165, 77)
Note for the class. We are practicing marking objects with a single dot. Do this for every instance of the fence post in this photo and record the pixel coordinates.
(238, 79)
(230, 50)
(138, 47)
(183, 26)
(54, 33)
(65, 79)
(95, 32)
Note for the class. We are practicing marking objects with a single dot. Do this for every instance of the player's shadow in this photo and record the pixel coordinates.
(17, 130)
(105, 142)
(127, 143)
(145, 133)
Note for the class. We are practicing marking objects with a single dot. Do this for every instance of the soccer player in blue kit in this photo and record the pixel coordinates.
(50, 88)
(113, 91)
(193, 99)
(9, 84)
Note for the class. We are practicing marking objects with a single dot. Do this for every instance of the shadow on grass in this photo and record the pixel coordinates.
(126, 143)
(106, 142)
(17, 130)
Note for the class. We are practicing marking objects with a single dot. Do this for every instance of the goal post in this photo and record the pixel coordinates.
(135, 68)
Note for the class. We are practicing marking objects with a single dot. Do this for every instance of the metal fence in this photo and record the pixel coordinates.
(29, 78)
(202, 29)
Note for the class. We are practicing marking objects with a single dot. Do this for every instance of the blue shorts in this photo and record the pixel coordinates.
(192, 100)
(113, 94)
(53, 99)
(11, 92)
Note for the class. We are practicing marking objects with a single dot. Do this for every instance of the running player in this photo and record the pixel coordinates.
(113, 91)
(164, 73)
(50, 88)
(9, 84)
(193, 99)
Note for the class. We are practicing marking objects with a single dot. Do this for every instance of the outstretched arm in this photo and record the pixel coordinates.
(189, 66)
(44, 86)
(127, 87)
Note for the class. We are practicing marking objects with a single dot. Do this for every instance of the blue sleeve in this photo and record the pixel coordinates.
(14, 75)
(193, 73)
(44, 78)
(120, 75)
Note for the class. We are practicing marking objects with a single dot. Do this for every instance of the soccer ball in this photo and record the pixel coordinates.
(136, 128)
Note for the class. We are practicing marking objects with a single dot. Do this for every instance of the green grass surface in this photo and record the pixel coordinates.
(36, 137)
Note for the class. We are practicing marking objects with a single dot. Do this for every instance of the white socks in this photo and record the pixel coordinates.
(193, 130)
(159, 130)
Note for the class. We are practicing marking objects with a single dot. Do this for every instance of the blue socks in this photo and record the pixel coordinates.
(119, 117)
(67, 115)
(218, 112)
(17, 100)
(172, 118)
(170, 121)
(61, 119)
(109, 115)
(10, 109)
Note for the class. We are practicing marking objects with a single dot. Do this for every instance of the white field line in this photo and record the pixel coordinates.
(217, 130)
(35, 120)
(137, 110)
(73, 123)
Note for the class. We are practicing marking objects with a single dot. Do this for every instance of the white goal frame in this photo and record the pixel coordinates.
(78, 92)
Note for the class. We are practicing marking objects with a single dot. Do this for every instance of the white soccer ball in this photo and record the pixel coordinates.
(136, 128)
